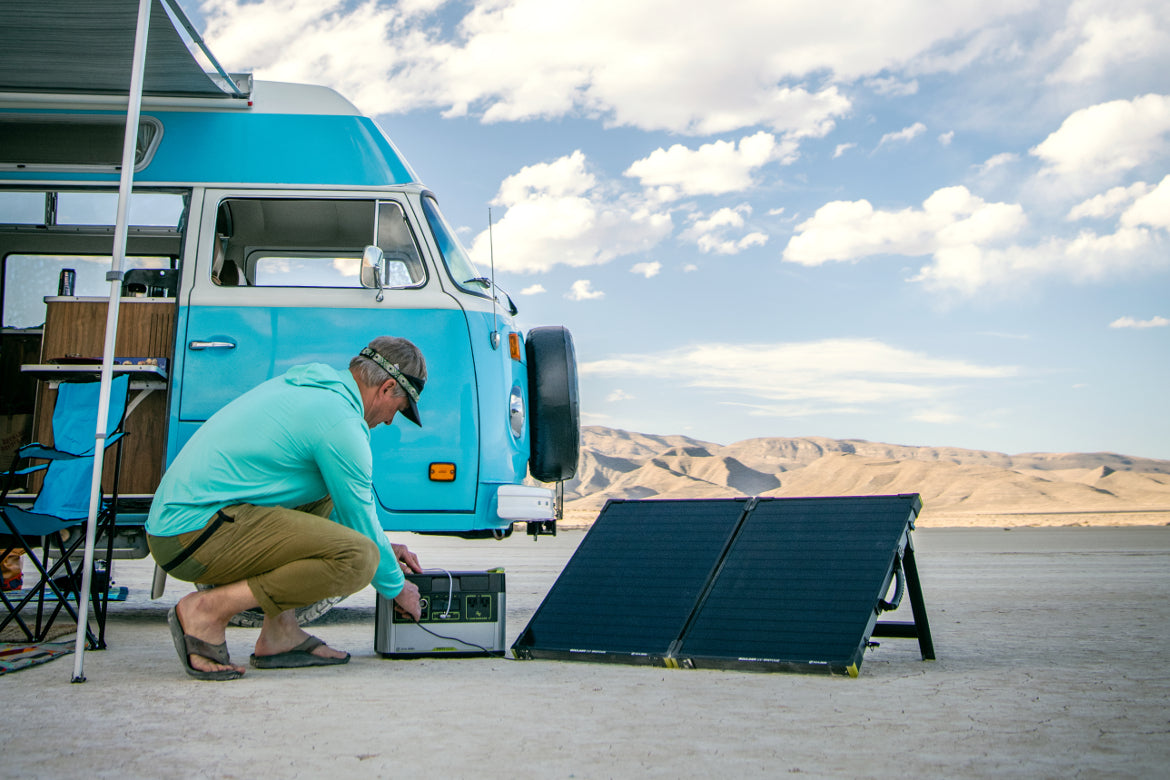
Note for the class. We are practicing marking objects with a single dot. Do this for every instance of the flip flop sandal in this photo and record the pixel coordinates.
(186, 645)
(299, 657)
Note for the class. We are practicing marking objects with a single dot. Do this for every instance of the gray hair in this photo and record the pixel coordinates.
(401, 352)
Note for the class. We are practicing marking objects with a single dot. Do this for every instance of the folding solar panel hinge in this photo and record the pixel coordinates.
(673, 650)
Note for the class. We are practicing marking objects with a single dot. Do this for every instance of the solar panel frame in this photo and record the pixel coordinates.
(762, 584)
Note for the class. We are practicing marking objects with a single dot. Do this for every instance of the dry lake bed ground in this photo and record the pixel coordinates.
(1051, 648)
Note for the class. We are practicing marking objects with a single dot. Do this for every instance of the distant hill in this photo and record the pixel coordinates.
(958, 487)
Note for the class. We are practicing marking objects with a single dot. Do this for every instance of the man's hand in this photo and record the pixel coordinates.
(406, 559)
(406, 602)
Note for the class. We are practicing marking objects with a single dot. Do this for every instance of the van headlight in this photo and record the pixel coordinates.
(516, 412)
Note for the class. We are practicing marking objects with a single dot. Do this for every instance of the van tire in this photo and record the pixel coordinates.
(254, 618)
(554, 409)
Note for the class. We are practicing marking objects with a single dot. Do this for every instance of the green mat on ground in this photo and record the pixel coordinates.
(15, 656)
(116, 594)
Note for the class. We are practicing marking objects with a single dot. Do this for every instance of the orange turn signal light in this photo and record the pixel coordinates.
(442, 472)
(514, 345)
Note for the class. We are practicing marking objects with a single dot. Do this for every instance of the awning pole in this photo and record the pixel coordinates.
(125, 185)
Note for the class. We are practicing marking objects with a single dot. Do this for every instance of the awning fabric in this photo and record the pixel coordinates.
(86, 46)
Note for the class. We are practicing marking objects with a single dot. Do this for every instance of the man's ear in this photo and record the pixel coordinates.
(388, 386)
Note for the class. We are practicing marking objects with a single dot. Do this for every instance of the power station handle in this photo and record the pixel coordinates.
(197, 345)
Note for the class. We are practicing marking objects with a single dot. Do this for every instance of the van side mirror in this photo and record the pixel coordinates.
(373, 267)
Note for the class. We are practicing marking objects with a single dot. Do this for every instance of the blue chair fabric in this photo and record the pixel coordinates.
(62, 505)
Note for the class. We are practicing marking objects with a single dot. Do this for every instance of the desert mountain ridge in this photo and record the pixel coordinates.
(957, 486)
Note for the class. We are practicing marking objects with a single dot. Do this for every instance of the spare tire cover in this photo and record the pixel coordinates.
(554, 410)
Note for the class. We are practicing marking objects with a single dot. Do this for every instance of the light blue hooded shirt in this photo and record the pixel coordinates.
(291, 441)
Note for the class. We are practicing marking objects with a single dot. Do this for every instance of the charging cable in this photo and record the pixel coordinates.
(447, 612)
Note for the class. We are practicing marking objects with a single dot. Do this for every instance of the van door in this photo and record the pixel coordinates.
(277, 283)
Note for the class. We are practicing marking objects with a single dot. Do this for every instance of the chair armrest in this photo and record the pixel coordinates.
(28, 470)
(43, 452)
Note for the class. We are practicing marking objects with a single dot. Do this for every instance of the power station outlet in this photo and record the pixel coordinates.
(479, 607)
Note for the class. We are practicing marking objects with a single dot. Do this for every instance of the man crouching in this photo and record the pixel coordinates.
(271, 501)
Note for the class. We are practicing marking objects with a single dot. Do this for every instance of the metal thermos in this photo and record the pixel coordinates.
(65, 284)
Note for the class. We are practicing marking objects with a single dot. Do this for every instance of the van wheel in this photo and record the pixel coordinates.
(554, 407)
(254, 618)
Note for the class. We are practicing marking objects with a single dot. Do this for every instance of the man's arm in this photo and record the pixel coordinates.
(347, 469)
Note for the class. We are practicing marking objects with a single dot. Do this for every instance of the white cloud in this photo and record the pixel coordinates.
(843, 375)
(316, 43)
(511, 60)
(1086, 257)
(347, 266)
(1109, 204)
(998, 161)
(559, 213)
(710, 233)
(646, 269)
(1151, 208)
(1130, 322)
(946, 138)
(893, 87)
(949, 218)
(841, 149)
(582, 290)
(619, 395)
(968, 241)
(712, 169)
(1101, 142)
(533, 289)
(1109, 35)
(937, 417)
(905, 135)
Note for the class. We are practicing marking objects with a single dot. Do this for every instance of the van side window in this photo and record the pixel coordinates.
(310, 242)
(286, 269)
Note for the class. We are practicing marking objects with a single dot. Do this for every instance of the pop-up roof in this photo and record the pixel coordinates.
(86, 46)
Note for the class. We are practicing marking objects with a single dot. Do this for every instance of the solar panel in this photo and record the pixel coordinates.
(799, 586)
(631, 585)
(773, 584)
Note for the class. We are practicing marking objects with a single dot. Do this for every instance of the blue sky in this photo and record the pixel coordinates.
(925, 223)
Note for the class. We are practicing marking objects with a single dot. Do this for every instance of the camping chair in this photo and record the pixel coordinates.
(63, 505)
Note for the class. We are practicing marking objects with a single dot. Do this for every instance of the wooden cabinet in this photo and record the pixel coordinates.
(76, 328)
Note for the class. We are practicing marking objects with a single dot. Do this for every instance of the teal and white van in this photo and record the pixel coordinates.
(270, 225)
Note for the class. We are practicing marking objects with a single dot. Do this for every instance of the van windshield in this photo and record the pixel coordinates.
(463, 271)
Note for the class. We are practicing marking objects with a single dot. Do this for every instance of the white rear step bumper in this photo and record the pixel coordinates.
(520, 502)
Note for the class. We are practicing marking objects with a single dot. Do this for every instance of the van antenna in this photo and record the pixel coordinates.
(495, 299)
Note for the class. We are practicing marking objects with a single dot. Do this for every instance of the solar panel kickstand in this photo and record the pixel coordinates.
(919, 628)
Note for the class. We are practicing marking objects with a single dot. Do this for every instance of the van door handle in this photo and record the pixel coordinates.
(197, 345)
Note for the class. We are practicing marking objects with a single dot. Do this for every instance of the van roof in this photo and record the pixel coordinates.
(303, 136)
(205, 127)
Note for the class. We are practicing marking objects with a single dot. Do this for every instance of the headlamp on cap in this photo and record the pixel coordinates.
(411, 384)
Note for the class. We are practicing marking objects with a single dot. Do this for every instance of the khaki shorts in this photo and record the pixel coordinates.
(289, 557)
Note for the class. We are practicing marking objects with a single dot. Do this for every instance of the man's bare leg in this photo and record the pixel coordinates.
(281, 633)
(205, 615)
